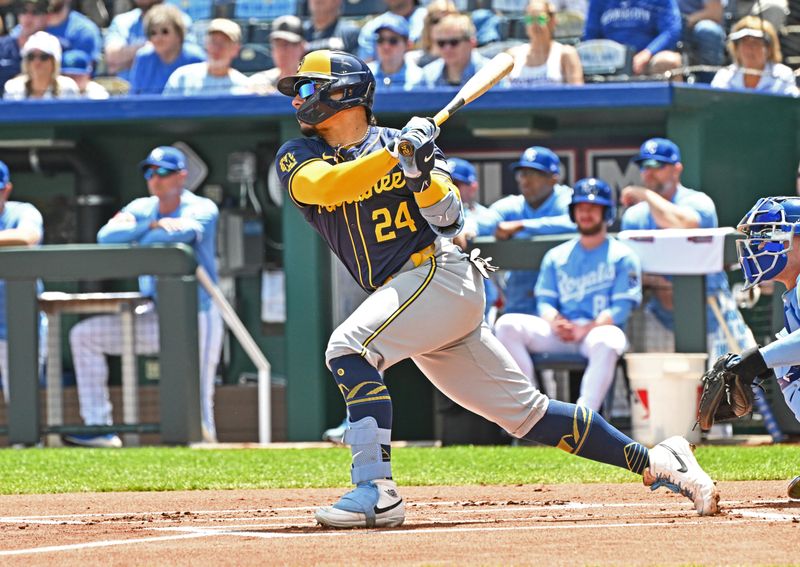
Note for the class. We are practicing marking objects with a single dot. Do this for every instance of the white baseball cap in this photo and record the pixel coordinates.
(44, 42)
(749, 32)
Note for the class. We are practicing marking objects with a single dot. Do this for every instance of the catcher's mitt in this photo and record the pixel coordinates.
(726, 395)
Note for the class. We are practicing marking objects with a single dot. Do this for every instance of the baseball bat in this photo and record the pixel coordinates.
(488, 76)
(762, 406)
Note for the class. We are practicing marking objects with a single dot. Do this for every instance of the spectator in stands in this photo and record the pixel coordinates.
(77, 65)
(327, 30)
(32, 15)
(428, 52)
(215, 76)
(663, 202)
(409, 9)
(651, 27)
(516, 6)
(20, 225)
(391, 69)
(126, 34)
(165, 52)
(288, 47)
(703, 31)
(543, 60)
(540, 208)
(454, 36)
(774, 11)
(41, 71)
(756, 53)
(171, 214)
(587, 288)
(73, 29)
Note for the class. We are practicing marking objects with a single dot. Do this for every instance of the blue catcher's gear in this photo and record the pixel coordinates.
(322, 73)
(769, 227)
(596, 191)
(538, 157)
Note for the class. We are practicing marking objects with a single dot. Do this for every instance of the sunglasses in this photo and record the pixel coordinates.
(651, 164)
(159, 171)
(307, 88)
(389, 40)
(40, 56)
(159, 31)
(453, 42)
(539, 19)
(33, 12)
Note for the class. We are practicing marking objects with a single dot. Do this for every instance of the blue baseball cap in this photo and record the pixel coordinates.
(461, 170)
(394, 23)
(5, 175)
(76, 62)
(658, 150)
(538, 157)
(165, 156)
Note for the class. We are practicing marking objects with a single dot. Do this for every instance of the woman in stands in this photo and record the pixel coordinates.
(543, 60)
(164, 52)
(428, 51)
(753, 45)
(41, 71)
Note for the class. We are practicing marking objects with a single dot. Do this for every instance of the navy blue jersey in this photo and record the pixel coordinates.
(376, 234)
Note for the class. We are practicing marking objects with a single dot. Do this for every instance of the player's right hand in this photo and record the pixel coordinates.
(419, 131)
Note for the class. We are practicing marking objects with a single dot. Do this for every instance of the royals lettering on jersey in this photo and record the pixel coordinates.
(375, 234)
(582, 283)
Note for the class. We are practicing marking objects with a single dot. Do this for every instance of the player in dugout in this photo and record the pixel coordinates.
(389, 217)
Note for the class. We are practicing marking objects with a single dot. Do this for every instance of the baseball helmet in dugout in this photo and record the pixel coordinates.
(323, 73)
(769, 227)
(596, 191)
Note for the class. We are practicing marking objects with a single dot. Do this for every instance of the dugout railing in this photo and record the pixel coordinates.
(174, 265)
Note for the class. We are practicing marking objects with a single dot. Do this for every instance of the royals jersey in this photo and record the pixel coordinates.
(378, 232)
(20, 216)
(784, 354)
(639, 217)
(200, 233)
(581, 283)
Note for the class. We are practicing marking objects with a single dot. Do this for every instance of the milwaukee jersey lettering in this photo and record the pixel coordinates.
(375, 234)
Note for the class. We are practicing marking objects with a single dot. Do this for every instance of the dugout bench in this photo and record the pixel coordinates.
(179, 386)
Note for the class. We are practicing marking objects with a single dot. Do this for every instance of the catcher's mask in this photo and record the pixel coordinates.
(323, 75)
(769, 227)
(596, 191)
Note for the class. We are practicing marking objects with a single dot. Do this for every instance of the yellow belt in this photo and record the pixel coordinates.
(418, 258)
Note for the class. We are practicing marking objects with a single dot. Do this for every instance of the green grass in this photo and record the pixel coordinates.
(155, 468)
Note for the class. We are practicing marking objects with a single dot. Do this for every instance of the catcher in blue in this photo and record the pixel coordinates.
(389, 218)
(769, 251)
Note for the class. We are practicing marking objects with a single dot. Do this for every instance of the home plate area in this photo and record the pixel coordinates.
(531, 524)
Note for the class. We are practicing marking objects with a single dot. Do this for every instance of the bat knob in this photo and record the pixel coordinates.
(406, 149)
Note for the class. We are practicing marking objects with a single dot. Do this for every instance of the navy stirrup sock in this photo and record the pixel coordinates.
(369, 412)
(580, 431)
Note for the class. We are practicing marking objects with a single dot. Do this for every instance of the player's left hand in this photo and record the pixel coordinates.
(632, 194)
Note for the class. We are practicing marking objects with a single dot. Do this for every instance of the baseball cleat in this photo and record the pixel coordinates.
(108, 441)
(793, 490)
(371, 504)
(672, 465)
(335, 434)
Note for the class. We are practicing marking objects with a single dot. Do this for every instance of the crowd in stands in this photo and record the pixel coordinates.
(179, 47)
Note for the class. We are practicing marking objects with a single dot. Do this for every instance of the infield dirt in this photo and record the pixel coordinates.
(597, 524)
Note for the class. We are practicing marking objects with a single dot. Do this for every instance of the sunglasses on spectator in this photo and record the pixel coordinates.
(452, 42)
(394, 40)
(159, 31)
(539, 19)
(33, 12)
(40, 56)
(159, 171)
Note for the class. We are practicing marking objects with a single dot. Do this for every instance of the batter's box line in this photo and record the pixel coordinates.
(434, 530)
(104, 543)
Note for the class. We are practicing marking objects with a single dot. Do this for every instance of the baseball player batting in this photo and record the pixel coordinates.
(389, 218)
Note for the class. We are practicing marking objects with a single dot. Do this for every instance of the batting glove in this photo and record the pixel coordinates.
(418, 163)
